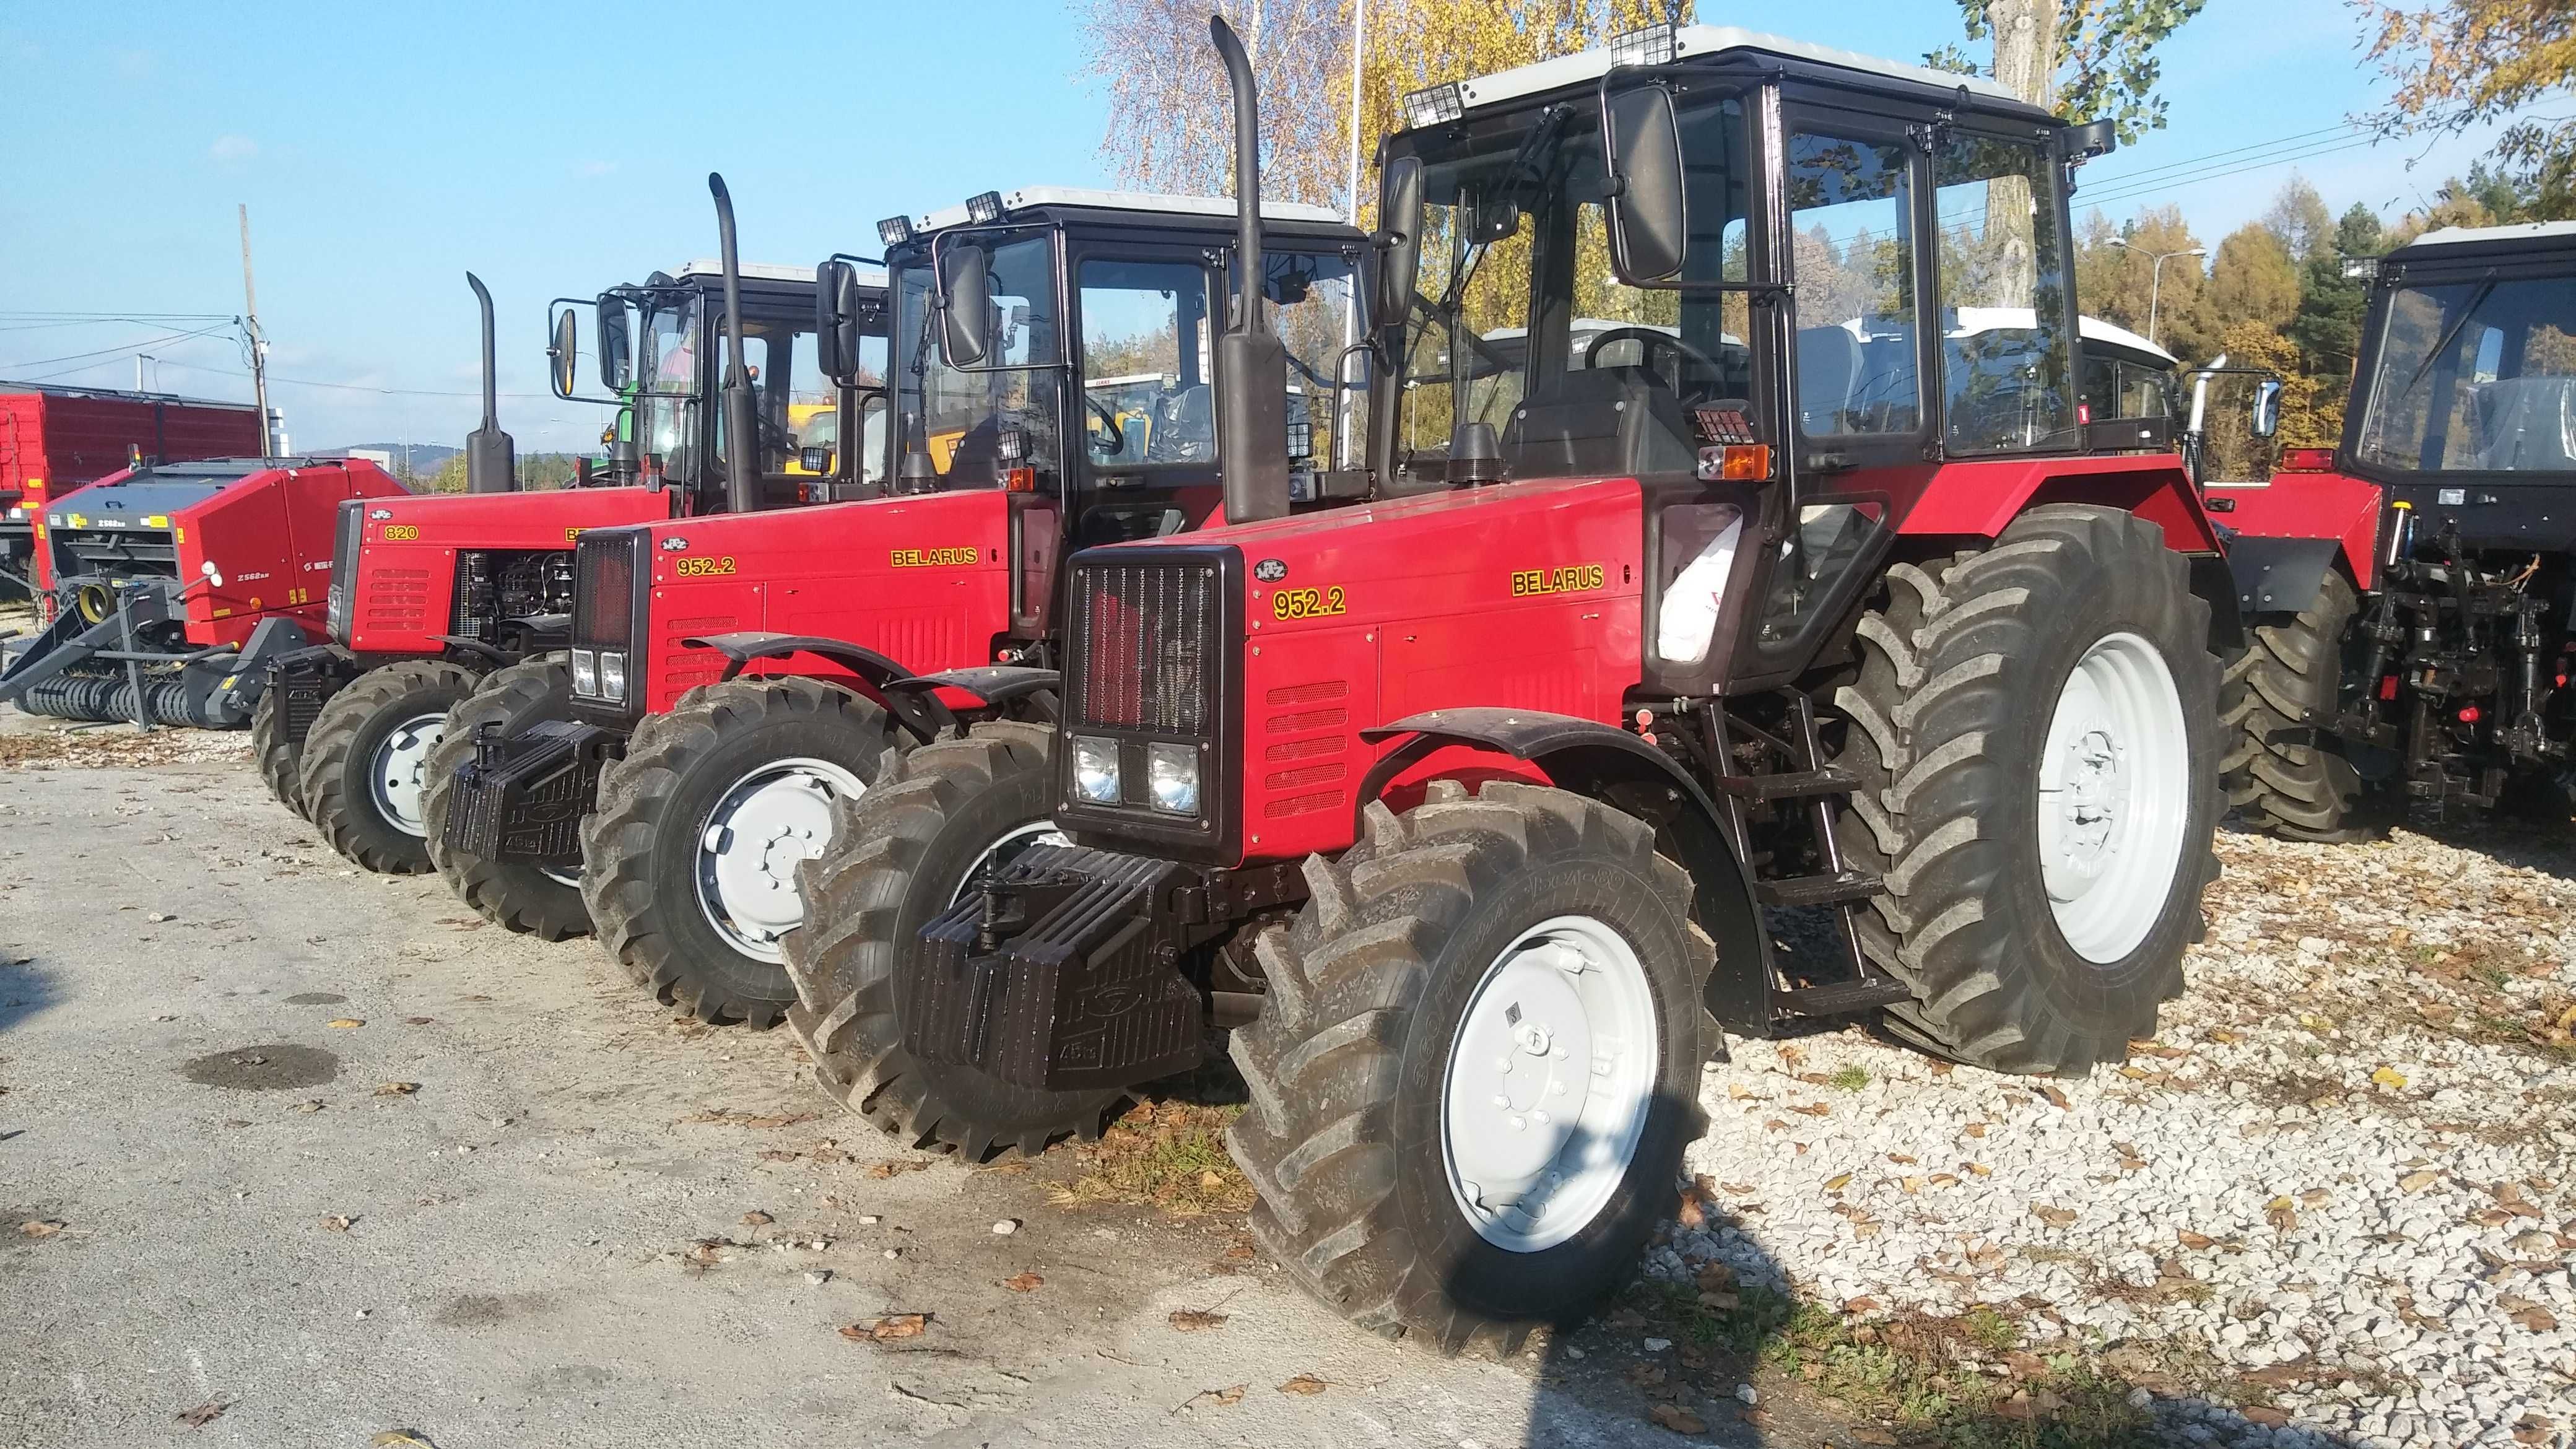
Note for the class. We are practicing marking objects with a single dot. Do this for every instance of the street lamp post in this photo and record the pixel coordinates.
(2156, 275)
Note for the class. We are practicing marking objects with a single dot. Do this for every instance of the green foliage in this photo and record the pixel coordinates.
(2106, 60)
(537, 471)
(2255, 278)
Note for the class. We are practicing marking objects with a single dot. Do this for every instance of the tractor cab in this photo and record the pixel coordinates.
(1070, 354)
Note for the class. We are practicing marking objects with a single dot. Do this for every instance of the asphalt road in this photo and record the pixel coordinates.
(509, 1253)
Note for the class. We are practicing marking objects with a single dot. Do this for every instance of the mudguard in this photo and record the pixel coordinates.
(744, 649)
(997, 685)
(1591, 758)
(2279, 575)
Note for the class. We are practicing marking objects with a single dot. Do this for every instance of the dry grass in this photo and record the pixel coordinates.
(1164, 1155)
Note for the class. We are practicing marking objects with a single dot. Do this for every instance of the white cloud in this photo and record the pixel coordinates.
(229, 148)
(594, 168)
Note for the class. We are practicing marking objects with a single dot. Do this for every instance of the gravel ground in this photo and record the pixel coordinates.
(2331, 1202)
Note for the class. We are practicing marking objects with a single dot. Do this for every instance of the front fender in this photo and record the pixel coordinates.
(2279, 575)
(1622, 770)
(748, 647)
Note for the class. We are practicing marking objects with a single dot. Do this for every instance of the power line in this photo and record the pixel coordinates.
(357, 387)
(2127, 178)
(2179, 182)
(112, 351)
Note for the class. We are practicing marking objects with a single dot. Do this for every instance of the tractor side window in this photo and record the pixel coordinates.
(2007, 364)
(1145, 364)
(772, 352)
(1309, 301)
(2145, 392)
(1475, 273)
(1850, 205)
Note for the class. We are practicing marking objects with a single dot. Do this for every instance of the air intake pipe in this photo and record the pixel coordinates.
(1252, 365)
(741, 419)
(491, 459)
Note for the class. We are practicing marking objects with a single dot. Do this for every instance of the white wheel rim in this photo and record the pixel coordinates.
(570, 878)
(771, 820)
(396, 775)
(1551, 1078)
(1007, 849)
(2114, 788)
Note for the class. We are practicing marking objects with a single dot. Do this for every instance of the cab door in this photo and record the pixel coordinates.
(1142, 435)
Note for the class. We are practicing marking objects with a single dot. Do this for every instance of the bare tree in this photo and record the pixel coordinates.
(1171, 121)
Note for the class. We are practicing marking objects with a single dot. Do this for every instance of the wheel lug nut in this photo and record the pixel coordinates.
(1519, 1123)
(1541, 1118)
(1502, 1101)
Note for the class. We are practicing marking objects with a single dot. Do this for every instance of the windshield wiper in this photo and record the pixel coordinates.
(2476, 299)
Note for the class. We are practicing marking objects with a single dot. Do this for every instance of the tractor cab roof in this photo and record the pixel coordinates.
(2529, 249)
(2546, 233)
(1038, 205)
(766, 286)
(1712, 45)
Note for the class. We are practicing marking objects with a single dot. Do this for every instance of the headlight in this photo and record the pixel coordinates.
(612, 676)
(1095, 770)
(585, 672)
(1172, 776)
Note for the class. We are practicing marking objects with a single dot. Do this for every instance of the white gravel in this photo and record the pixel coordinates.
(2339, 1179)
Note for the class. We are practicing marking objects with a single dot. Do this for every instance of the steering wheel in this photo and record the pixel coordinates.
(1648, 340)
(1109, 423)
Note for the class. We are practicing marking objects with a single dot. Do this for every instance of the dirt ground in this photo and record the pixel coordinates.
(307, 1157)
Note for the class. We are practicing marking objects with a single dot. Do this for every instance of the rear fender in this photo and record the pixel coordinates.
(1621, 770)
(1012, 691)
(870, 669)
(1978, 500)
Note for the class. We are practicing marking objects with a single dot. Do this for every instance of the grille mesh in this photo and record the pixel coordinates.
(603, 590)
(1148, 629)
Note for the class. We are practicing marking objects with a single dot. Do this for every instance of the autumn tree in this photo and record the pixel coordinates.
(2456, 64)
(2299, 217)
(2254, 279)
(2084, 59)
(2117, 283)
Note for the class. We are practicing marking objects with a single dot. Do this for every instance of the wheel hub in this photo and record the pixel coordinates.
(772, 820)
(2115, 790)
(1549, 1083)
(399, 774)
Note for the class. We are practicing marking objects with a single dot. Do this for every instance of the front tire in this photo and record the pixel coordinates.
(365, 761)
(1462, 968)
(523, 898)
(2282, 775)
(688, 861)
(936, 820)
(2035, 727)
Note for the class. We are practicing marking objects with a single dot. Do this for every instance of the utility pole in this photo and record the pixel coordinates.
(258, 341)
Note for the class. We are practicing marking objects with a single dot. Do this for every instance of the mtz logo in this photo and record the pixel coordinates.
(1573, 578)
(700, 568)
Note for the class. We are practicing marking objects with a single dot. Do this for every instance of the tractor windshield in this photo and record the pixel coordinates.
(979, 424)
(1514, 229)
(2475, 377)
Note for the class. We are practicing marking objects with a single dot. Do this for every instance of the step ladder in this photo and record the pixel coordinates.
(1838, 885)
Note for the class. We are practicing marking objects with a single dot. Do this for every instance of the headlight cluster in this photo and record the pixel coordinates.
(1171, 775)
(599, 674)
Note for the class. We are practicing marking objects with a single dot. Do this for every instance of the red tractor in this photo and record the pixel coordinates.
(1791, 591)
(733, 681)
(2408, 594)
(431, 596)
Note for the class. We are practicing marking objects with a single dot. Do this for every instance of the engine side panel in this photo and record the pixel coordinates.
(406, 576)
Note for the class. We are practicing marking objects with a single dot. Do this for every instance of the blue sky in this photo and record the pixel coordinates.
(383, 150)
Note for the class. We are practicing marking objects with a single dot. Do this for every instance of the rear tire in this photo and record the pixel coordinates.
(2283, 776)
(520, 897)
(900, 855)
(2033, 942)
(1379, 1010)
(660, 866)
(276, 754)
(366, 758)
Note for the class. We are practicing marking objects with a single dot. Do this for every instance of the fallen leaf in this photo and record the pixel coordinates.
(1196, 1320)
(1304, 1384)
(2224, 1037)
(1942, 1179)
(420, 1021)
(2056, 1098)
(1224, 1398)
(887, 1329)
(1900, 1159)
(1677, 1419)
(397, 1089)
(1862, 1304)
(1714, 1277)
(2314, 1196)
(1975, 1129)
(2268, 1418)
(2281, 1213)
(396, 1436)
(1735, 1092)
(1837, 1184)
(204, 1414)
(896, 1167)
(1023, 1282)
(2532, 1429)
(345, 1022)
(339, 1222)
(2054, 1216)
(2417, 1181)
(2536, 1318)
(1978, 1169)
(1820, 1109)
(2195, 1241)
(42, 1227)
(757, 1219)
(2389, 1077)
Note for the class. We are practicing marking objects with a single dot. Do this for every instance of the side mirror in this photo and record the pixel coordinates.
(965, 305)
(1399, 219)
(2267, 407)
(616, 351)
(564, 352)
(836, 320)
(1649, 218)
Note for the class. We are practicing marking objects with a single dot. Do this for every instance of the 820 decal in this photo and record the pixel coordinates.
(1308, 603)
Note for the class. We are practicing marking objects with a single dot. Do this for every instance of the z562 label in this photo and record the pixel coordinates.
(1308, 603)
(1570, 579)
(702, 568)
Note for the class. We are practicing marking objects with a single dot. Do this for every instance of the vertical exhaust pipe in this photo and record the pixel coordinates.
(1252, 364)
(491, 459)
(741, 421)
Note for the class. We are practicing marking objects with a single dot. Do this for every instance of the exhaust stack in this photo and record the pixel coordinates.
(491, 459)
(741, 420)
(1252, 409)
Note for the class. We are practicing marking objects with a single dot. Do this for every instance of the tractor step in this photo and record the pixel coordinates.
(1832, 889)
(1841, 998)
(1788, 785)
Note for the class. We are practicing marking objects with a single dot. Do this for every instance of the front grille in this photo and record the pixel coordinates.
(348, 531)
(1146, 651)
(603, 588)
